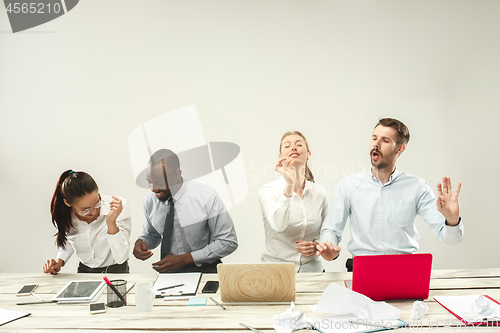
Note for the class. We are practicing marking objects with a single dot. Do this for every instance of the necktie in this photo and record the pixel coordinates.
(167, 231)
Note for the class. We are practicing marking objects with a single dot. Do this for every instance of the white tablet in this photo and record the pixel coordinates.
(81, 291)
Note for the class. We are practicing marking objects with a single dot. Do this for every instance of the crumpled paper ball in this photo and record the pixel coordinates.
(482, 306)
(290, 320)
(419, 310)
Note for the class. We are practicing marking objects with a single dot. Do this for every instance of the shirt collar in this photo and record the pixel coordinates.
(105, 207)
(392, 178)
(178, 195)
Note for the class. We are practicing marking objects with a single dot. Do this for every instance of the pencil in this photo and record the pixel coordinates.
(223, 308)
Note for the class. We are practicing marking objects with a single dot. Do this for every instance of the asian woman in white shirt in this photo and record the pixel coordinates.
(96, 228)
(293, 208)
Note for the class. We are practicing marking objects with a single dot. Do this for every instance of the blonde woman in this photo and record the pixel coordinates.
(293, 208)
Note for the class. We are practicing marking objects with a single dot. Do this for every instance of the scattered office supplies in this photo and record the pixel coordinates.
(220, 305)
(41, 299)
(27, 289)
(177, 284)
(197, 301)
(264, 282)
(171, 287)
(115, 299)
(95, 308)
(129, 289)
(251, 328)
(6, 316)
(177, 298)
(472, 309)
(37, 302)
(80, 291)
(392, 276)
(210, 287)
(340, 300)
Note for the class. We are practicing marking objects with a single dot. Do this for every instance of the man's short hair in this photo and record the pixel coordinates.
(169, 158)
(403, 132)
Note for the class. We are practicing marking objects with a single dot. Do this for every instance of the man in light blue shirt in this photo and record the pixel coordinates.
(187, 218)
(382, 203)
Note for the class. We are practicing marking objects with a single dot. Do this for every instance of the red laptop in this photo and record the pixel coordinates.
(392, 276)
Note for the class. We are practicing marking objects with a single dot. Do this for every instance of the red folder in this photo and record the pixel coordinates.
(481, 323)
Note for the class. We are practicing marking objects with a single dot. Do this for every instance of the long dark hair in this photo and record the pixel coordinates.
(70, 186)
(309, 176)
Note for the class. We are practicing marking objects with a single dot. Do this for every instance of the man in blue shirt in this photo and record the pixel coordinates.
(382, 203)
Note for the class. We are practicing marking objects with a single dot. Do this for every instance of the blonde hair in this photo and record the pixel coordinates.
(309, 176)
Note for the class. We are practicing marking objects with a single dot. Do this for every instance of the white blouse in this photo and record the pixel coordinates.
(92, 243)
(287, 220)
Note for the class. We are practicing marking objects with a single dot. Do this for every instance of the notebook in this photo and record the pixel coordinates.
(392, 276)
(264, 282)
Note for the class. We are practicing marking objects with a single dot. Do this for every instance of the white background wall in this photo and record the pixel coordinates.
(72, 90)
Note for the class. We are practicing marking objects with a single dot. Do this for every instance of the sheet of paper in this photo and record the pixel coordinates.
(462, 307)
(340, 300)
(189, 284)
(7, 316)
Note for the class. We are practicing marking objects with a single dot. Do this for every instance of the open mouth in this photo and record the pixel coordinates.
(376, 155)
(160, 194)
(294, 155)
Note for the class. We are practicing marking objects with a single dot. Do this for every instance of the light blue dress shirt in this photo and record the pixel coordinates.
(382, 217)
(202, 226)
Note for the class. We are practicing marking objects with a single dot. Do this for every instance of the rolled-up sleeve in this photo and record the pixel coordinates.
(119, 243)
(149, 234)
(336, 218)
(223, 240)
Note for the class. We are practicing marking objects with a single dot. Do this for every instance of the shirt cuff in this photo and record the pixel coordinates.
(199, 257)
(64, 255)
(285, 201)
(117, 239)
(329, 236)
(453, 226)
(119, 247)
(148, 243)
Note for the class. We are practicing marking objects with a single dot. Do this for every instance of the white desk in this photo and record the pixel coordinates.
(176, 316)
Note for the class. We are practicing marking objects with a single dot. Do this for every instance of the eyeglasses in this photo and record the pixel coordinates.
(88, 210)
